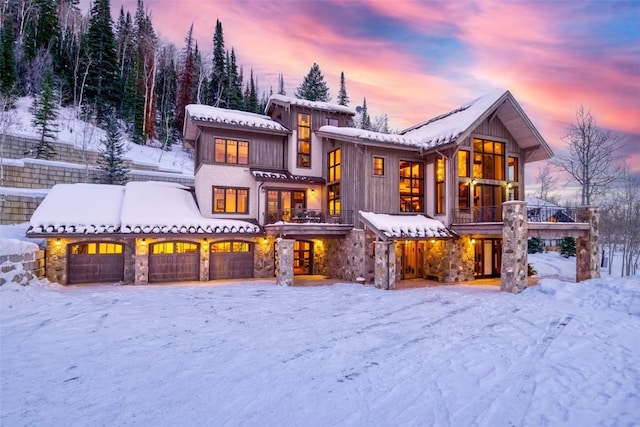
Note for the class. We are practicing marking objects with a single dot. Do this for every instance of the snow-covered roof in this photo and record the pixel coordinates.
(208, 113)
(138, 207)
(316, 105)
(406, 226)
(284, 176)
(387, 138)
(447, 127)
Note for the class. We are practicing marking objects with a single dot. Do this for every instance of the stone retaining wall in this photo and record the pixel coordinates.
(21, 268)
(15, 209)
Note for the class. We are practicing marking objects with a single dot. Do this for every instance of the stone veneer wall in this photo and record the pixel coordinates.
(462, 255)
(284, 262)
(264, 257)
(15, 209)
(587, 252)
(513, 272)
(346, 258)
(22, 267)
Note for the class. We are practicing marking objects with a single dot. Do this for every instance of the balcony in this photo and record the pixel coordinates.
(477, 214)
(308, 222)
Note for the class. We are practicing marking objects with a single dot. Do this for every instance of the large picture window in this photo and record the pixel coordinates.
(488, 159)
(231, 151)
(334, 174)
(304, 141)
(411, 186)
(463, 163)
(230, 200)
(440, 184)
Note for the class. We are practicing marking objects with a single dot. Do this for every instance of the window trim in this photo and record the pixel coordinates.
(483, 153)
(441, 186)
(301, 140)
(420, 195)
(226, 150)
(225, 188)
(373, 166)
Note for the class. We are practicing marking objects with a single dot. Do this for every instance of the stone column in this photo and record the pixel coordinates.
(56, 260)
(142, 262)
(587, 255)
(284, 267)
(513, 273)
(385, 265)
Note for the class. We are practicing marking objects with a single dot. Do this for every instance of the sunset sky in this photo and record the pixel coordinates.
(415, 60)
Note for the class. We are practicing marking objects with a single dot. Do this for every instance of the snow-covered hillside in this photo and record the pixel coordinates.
(252, 353)
(84, 135)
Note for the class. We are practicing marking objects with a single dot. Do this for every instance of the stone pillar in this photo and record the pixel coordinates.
(142, 262)
(284, 267)
(56, 260)
(385, 265)
(587, 254)
(513, 273)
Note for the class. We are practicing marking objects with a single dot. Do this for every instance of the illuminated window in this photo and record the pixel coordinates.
(488, 159)
(186, 248)
(440, 184)
(162, 248)
(333, 198)
(513, 169)
(378, 166)
(411, 186)
(304, 141)
(463, 163)
(333, 166)
(464, 195)
(231, 151)
(230, 200)
(229, 247)
(96, 248)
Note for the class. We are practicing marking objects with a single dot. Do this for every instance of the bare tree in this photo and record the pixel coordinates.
(591, 161)
(547, 182)
(8, 119)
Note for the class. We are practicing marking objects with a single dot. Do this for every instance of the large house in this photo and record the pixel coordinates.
(298, 192)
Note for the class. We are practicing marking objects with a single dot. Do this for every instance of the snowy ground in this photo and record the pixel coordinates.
(252, 353)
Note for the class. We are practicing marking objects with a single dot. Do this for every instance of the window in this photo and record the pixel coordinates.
(226, 247)
(96, 248)
(464, 195)
(512, 169)
(463, 163)
(230, 200)
(378, 166)
(331, 122)
(411, 186)
(231, 151)
(488, 159)
(333, 199)
(440, 184)
(333, 166)
(304, 141)
(168, 248)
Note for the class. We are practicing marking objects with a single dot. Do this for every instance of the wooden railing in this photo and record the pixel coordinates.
(309, 216)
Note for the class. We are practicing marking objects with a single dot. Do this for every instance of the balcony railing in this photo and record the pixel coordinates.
(534, 214)
(308, 216)
(477, 214)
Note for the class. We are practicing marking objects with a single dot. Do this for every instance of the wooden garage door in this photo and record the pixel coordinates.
(230, 260)
(174, 261)
(95, 262)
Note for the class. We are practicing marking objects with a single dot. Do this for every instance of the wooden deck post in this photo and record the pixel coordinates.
(513, 272)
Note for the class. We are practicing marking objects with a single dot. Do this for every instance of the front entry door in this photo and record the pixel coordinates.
(412, 259)
(302, 257)
(488, 257)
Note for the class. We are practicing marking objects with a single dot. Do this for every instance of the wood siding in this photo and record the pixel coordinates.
(265, 151)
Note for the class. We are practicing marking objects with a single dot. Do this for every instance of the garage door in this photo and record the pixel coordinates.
(95, 262)
(174, 261)
(230, 260)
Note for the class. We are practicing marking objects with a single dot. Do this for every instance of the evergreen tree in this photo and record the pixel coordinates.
(365, 121)
(313, 87)
(343, 98)
(281, 90)
(535, 245)
(568, 247)
(234, 87)
(252, 101)
(7, 58)
(110, 160)
(146, 41)
(100, 61)
(217, 81)
(167, 90)
(45, 113)
(43, 33)
(186, 83)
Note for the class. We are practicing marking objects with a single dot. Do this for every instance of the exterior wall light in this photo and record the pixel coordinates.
(313, 191)
(474, 181)
(473, 241)
(58, 242)
(144, 242)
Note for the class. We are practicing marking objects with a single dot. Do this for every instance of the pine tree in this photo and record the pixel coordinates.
(166, 89)
(365, 121)
(252, 101)
(7, 58)
(45, 114)
(568, 247)
(186, 81)
(313, 87)
(110, 160)
(100, 61)
(343, 98)
(281, 90)
(234, 86)
(217, 81)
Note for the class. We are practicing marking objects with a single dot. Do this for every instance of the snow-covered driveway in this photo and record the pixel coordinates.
(257, 354)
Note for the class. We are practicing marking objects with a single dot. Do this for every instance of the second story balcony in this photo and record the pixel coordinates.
(305, 222)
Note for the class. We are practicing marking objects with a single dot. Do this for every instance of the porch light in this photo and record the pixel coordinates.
(144, 242)
(473, 241)
(474, 181)
(433, 240)
(313, 191)
(265, 240)
(509, 184)
(58, 242)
